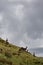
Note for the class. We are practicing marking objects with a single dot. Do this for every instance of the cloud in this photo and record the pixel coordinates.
(19, 11)
(22, 21)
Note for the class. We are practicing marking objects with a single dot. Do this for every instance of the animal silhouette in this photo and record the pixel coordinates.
(24, 49)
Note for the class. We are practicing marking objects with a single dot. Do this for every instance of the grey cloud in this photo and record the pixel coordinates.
(34, 20)
(31, 24)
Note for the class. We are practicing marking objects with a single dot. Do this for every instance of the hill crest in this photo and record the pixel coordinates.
(14, 55)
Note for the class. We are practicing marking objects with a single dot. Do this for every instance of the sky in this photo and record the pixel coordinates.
(21, 21)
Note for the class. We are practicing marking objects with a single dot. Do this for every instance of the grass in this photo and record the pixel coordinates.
(14, 57)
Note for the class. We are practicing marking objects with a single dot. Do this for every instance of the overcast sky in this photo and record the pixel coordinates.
(21, 21)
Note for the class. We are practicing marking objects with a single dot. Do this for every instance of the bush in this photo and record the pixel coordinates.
(1, 40)
(7, 41)
(34, 54)
(38, 62)
(1, 50)
(8, 54)
(16, 53)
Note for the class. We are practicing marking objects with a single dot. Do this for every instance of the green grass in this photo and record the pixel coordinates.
(14, 57)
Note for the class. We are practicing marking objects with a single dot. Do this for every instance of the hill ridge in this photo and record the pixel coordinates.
(12, 55)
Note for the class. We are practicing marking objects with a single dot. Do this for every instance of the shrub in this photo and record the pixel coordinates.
(10, 45)
(34, 54)
(16, 53)
(1, 50)
(38, 62)
(1, 40)
(7, 41)
(8, 54)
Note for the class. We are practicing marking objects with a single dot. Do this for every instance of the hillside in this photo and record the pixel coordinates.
(10, 55)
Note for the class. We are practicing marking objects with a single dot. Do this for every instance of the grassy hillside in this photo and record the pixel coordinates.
(10, 55)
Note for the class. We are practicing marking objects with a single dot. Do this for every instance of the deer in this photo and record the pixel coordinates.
(24, 49)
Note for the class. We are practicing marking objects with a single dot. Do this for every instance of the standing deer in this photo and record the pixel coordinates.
(24, 49)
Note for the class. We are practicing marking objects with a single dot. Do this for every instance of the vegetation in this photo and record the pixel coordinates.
(14, 55)
(8, 54)
(34, 54)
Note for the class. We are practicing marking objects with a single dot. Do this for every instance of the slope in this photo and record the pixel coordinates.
(10, 55)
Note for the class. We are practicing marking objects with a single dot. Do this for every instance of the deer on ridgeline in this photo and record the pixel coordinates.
(24, 49)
